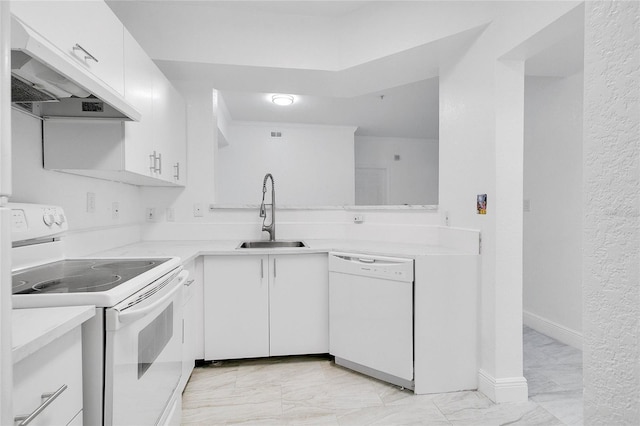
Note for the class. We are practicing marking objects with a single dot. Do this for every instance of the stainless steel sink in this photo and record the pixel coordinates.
(271, 244)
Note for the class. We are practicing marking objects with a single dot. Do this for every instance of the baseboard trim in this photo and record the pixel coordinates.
(508, 389)
(553, 329)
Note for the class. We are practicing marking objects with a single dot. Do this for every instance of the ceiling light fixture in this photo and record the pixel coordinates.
(283, 100)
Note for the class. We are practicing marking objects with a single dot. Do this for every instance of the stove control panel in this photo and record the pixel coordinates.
(36, 221)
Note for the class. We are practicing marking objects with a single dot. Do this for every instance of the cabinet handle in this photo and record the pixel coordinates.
(47, 398)
(177, 174)
(152, 162)
(261, 268)
(87, 55)
(156, 162)
(274, 268)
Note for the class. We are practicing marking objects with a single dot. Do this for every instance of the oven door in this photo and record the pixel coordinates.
(143, 353)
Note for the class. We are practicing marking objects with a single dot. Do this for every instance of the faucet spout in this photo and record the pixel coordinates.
(271, 228)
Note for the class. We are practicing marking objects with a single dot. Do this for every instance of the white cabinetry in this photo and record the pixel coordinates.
(236, 314)
(265, 305)
(87, 31)
(299, 304)
(169, 118)
(150, 152)
(53, 373)
(193, 321)
(138, 136)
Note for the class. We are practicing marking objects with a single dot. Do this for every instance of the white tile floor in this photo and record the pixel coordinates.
(314, 391)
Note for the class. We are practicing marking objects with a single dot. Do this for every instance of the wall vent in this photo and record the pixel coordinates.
(276, 134)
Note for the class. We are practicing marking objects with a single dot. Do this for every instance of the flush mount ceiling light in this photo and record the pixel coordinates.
(282, 100)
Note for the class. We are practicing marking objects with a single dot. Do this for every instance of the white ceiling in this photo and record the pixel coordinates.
(332, 8)
(409, 111)
(385, 88)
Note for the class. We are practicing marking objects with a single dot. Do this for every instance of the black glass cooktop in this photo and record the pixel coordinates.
(80, 275)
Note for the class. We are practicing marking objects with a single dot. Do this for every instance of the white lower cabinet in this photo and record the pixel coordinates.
(192, 322)
(54, 374)
(265, 305)
(236, 300)
(298, 304)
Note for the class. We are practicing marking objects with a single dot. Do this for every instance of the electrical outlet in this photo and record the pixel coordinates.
(358, 218)
(151, 214)
(91, 202)
(115, 210)
(198, 210)
(171, 214)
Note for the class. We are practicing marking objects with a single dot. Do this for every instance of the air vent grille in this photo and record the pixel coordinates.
(22, 92)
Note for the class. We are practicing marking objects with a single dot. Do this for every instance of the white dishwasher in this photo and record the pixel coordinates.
(371, 315)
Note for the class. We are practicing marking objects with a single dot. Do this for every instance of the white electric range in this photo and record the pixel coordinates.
(132, 347)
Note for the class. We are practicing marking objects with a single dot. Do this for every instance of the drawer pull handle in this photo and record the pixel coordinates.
(47, 398)
(87, 55)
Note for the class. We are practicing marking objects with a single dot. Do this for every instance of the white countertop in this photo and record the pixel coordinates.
(188, 250)
(35, 328)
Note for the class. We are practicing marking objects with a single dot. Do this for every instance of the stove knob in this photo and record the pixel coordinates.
(48, 219)
(59, 218)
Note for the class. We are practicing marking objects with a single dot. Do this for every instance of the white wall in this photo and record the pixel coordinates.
(33, 184)
(481, 131)
(552, 249)
(611, 204)
(411, 180)
(311, 165)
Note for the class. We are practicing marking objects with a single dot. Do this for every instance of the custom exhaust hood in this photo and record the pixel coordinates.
(44, 77)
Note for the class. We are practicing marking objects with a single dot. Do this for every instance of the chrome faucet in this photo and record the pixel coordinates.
(271, 228)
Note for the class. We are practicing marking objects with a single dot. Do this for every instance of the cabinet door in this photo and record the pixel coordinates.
(197, 290)
(46, 371)
(90, 24)
(236, 312)
(169, 136)
(177, 137)
(138, 90)
(299, 304)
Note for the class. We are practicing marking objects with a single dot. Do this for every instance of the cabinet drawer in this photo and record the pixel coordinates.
(90, 24)
(57, 364)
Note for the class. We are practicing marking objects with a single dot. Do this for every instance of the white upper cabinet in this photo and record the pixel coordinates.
(87, 31)
(169, 116)
(138, 90)
(150, 152)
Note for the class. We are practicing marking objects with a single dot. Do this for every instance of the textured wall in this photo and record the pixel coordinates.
(611, 157)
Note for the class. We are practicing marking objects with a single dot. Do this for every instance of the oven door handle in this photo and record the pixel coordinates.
(132, 314)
